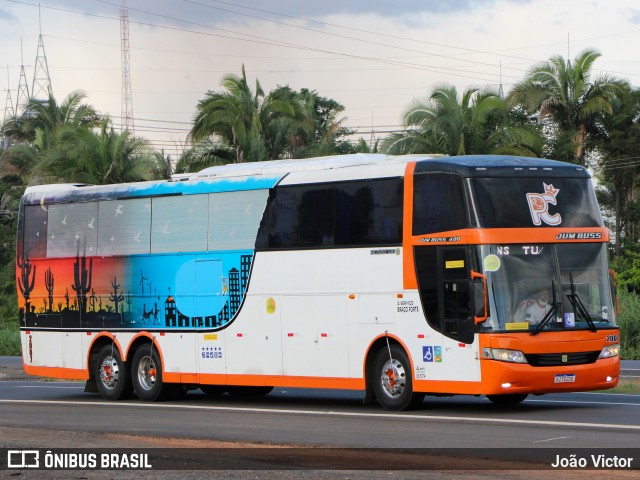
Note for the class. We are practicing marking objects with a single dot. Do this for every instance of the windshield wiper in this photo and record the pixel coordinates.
(578, 306)
(550, 314)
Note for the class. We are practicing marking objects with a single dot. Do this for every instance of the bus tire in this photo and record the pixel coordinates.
(146, 375)
(512, 399)
(241, 391)
(111, 374)
(393, 384)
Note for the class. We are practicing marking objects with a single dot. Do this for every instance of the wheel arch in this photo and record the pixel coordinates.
(143, 338)
(377, 344)
(99, 341)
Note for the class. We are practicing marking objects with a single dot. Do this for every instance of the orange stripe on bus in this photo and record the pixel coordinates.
(510, 235)
(56, 372)
(408, 267)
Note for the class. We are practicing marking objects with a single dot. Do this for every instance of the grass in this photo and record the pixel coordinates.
(9, 339)
(626, 385)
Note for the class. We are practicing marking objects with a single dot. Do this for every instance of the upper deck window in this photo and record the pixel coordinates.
(72, 229)
(534, 201)
(438, 203)
(341, 214)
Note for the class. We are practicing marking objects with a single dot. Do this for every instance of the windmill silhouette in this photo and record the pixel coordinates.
(143, 279)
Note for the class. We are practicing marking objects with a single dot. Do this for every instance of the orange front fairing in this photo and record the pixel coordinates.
(513, 378)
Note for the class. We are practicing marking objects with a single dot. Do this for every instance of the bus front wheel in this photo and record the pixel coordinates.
(111, 374)
(392, 378)
(146, 374)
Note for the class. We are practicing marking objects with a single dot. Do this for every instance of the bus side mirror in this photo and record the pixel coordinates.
(480, 299)
(614, 290)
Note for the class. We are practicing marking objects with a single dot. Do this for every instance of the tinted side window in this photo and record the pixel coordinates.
(438, 203)
(346, 214)
(124, 226)
(179, 224)
(35, 231)
(368, 214)
(234, 218)
(72, 228)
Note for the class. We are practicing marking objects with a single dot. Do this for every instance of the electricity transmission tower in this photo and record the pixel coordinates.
(9, 110)
(41, 86)
(23, 87)
(127, 100)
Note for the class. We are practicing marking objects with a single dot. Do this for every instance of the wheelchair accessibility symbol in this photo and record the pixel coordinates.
(432, 353)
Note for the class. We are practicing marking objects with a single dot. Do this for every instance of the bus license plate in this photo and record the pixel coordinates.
(565, 378)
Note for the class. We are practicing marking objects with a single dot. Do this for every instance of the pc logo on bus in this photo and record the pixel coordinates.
(539, 206)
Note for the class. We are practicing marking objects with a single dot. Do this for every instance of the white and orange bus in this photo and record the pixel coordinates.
(397, 276)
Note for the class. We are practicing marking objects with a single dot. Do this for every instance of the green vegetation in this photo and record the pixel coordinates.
(626, 386)
(559, 110)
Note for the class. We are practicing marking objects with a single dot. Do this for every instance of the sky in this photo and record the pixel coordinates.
(375, 57)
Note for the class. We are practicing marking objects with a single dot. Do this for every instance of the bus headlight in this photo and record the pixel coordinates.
(504, 355)
(610, 351)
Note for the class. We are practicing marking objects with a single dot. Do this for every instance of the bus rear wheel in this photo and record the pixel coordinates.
(112, 375)
(146, 375)
(392, 378)
(507, 399)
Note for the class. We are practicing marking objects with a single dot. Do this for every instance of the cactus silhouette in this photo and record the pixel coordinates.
(48, 282)
(92, 300)
(27, 280)
(66, 297)
(115, 296)
(82, 279)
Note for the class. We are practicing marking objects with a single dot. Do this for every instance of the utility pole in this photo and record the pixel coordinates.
(41, 87)
(127, 100)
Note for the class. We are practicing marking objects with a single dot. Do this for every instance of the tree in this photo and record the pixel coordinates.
(473, 124)
(41, 121)
(242, 118)
(619, 166)
(566, 94)
(317, 128)
(203, 155)
(100, 157)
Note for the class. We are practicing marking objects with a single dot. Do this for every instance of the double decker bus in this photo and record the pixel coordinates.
(396, 276)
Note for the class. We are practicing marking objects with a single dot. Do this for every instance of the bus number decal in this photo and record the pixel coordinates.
(613, 338)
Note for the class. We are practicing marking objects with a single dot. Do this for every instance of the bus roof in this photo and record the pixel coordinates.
(257, 175)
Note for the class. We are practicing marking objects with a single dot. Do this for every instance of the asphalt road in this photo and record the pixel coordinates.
(59, 414)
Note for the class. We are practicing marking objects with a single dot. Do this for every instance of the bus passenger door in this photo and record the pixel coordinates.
(443, 274)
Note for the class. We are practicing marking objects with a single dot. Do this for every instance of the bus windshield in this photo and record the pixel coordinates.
(565, 286)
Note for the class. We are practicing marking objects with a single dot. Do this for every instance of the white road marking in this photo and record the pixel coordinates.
(394, 416)
(550, 439)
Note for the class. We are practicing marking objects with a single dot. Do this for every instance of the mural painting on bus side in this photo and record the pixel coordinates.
(182, 291)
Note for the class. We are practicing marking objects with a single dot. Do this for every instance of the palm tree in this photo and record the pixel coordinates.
(97, 157)
(473, 124)
(618, 180)
(566, 94)
(41, 121)
(240, 117)
(203, 155)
